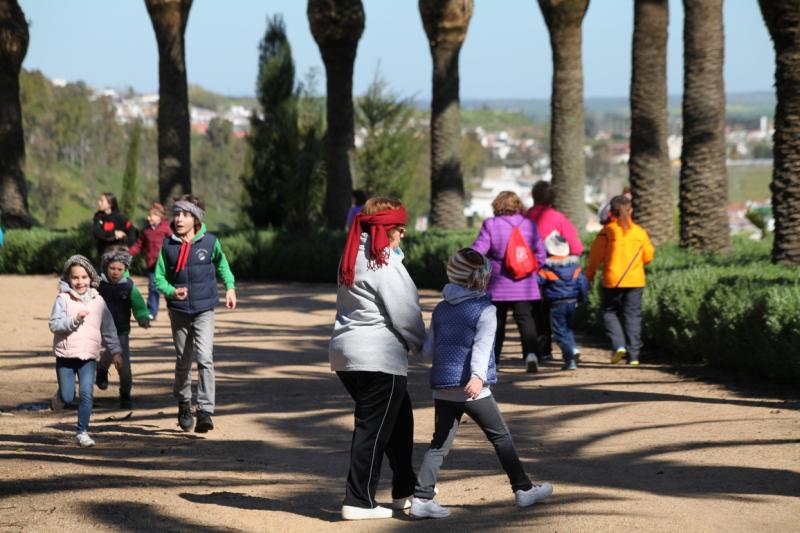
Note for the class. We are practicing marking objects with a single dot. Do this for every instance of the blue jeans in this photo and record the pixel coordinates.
(152, 294)
(66, 370)
(562, 313)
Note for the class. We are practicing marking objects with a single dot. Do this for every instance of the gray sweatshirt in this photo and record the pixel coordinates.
(378, 319)
(482, 346)
(60, 322)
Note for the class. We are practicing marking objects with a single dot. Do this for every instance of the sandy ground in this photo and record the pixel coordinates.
(640, 449)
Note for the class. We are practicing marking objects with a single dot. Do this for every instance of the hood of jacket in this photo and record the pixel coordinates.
(455, 294)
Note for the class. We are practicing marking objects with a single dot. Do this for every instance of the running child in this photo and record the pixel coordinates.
(121, 297)
(81, 324)
(186, 274)
(461, 343)
(563, 287)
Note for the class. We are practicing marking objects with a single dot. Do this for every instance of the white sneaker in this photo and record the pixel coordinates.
(531, 363)
(84, 440)
(539, 491)
(56, 403)
(401, 504)
(428, 509)
(350, 512)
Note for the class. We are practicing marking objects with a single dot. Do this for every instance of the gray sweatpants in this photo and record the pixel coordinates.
(487, 415)
(193, 336)
(125, 374)
(626, 333)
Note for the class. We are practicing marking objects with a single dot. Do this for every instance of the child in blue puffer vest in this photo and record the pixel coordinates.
(563, 286)
(461, 343)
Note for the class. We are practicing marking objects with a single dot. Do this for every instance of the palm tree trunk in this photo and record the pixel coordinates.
(169, 18)
(13, 47)
(446, 23)
(649, 165)
(568, 162)
(783, 20)
(337, 26)
(704, 183)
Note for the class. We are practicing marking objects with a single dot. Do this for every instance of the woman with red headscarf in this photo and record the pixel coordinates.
(378, 321)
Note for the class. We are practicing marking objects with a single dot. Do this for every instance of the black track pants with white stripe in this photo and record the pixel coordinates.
(384, 423)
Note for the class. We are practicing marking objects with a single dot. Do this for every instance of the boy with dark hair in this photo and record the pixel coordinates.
(186, 274)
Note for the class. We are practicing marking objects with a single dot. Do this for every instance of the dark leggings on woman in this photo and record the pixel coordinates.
(523, 316)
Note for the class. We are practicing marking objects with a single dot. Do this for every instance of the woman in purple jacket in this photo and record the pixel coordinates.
(522, 295)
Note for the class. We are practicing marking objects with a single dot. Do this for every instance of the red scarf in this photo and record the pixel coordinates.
(376, 225)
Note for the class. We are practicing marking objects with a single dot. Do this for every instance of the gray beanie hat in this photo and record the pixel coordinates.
(116, 256)
(84, 262)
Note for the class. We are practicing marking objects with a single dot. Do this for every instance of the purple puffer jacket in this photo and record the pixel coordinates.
(492, 242)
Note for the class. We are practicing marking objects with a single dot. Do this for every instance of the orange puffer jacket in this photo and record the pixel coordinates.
(623, 255)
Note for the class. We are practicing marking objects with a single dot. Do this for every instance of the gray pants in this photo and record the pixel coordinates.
(193, 336)
(487, 415)
(125, 375)
(624, 304)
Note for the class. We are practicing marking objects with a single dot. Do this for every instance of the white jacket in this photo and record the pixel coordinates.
(378, 319)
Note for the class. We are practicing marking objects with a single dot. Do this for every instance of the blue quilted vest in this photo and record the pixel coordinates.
(199, 274)
(454, 328)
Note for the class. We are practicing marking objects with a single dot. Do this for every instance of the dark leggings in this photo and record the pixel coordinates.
(523, 313)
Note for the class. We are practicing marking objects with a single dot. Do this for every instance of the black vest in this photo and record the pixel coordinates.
(118, 300)
(199, 274)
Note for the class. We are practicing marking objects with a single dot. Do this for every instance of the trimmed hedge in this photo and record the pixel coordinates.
(735, 311)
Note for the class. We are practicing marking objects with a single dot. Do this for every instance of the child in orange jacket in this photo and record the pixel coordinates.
(623, 248)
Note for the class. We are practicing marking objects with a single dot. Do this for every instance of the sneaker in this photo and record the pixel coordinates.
(401, 504)
(576, 354)
(56, 403)
(125, 401)
(633, 362)
(101, 379)
(619, 355)
(350, 512)
(428, 509)
(185, 418)
(84, 440)
(151, 317)
(569, 365)
(531, 363)
(204, 423)
(539, 491)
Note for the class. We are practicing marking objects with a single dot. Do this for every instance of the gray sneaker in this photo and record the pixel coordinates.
(539, 491)
(84, 440)
(428, 509)
(531, 363)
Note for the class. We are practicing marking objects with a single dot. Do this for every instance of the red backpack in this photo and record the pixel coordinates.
(519, 261)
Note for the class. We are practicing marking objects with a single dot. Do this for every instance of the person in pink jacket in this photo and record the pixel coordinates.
(548, 221)
(81, 324)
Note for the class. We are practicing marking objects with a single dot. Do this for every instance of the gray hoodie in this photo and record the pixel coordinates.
(482, 346)
(63, 323)
(378, 319)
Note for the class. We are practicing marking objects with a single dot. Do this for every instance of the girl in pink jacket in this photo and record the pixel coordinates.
(81, 324)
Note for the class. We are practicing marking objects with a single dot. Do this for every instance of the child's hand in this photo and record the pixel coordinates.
(117, 361)
(230, 299)
(474, 387)
(81, 316)
(144, 324)
(181, 293)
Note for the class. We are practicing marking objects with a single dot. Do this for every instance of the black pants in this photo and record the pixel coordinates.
(541, 315)
(384, 423)
(487, 415)
(523, 316)
(624, 304)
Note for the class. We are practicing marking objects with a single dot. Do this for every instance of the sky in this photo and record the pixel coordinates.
(110, 43)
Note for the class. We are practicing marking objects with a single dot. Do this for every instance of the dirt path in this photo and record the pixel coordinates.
(627, 449)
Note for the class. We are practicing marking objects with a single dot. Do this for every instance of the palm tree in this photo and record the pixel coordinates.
(337, 26)
(649, 165)
(568, 163)
(13, 47)
(783, 21)
(169, 18)
(446, 23)
(704, 183)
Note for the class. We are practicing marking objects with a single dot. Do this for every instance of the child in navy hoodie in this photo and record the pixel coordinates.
(461, 343)
(563, 285)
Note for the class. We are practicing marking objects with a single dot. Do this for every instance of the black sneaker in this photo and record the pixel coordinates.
(185, 418)
(101, 379)
(125, 401)
(204, 423)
